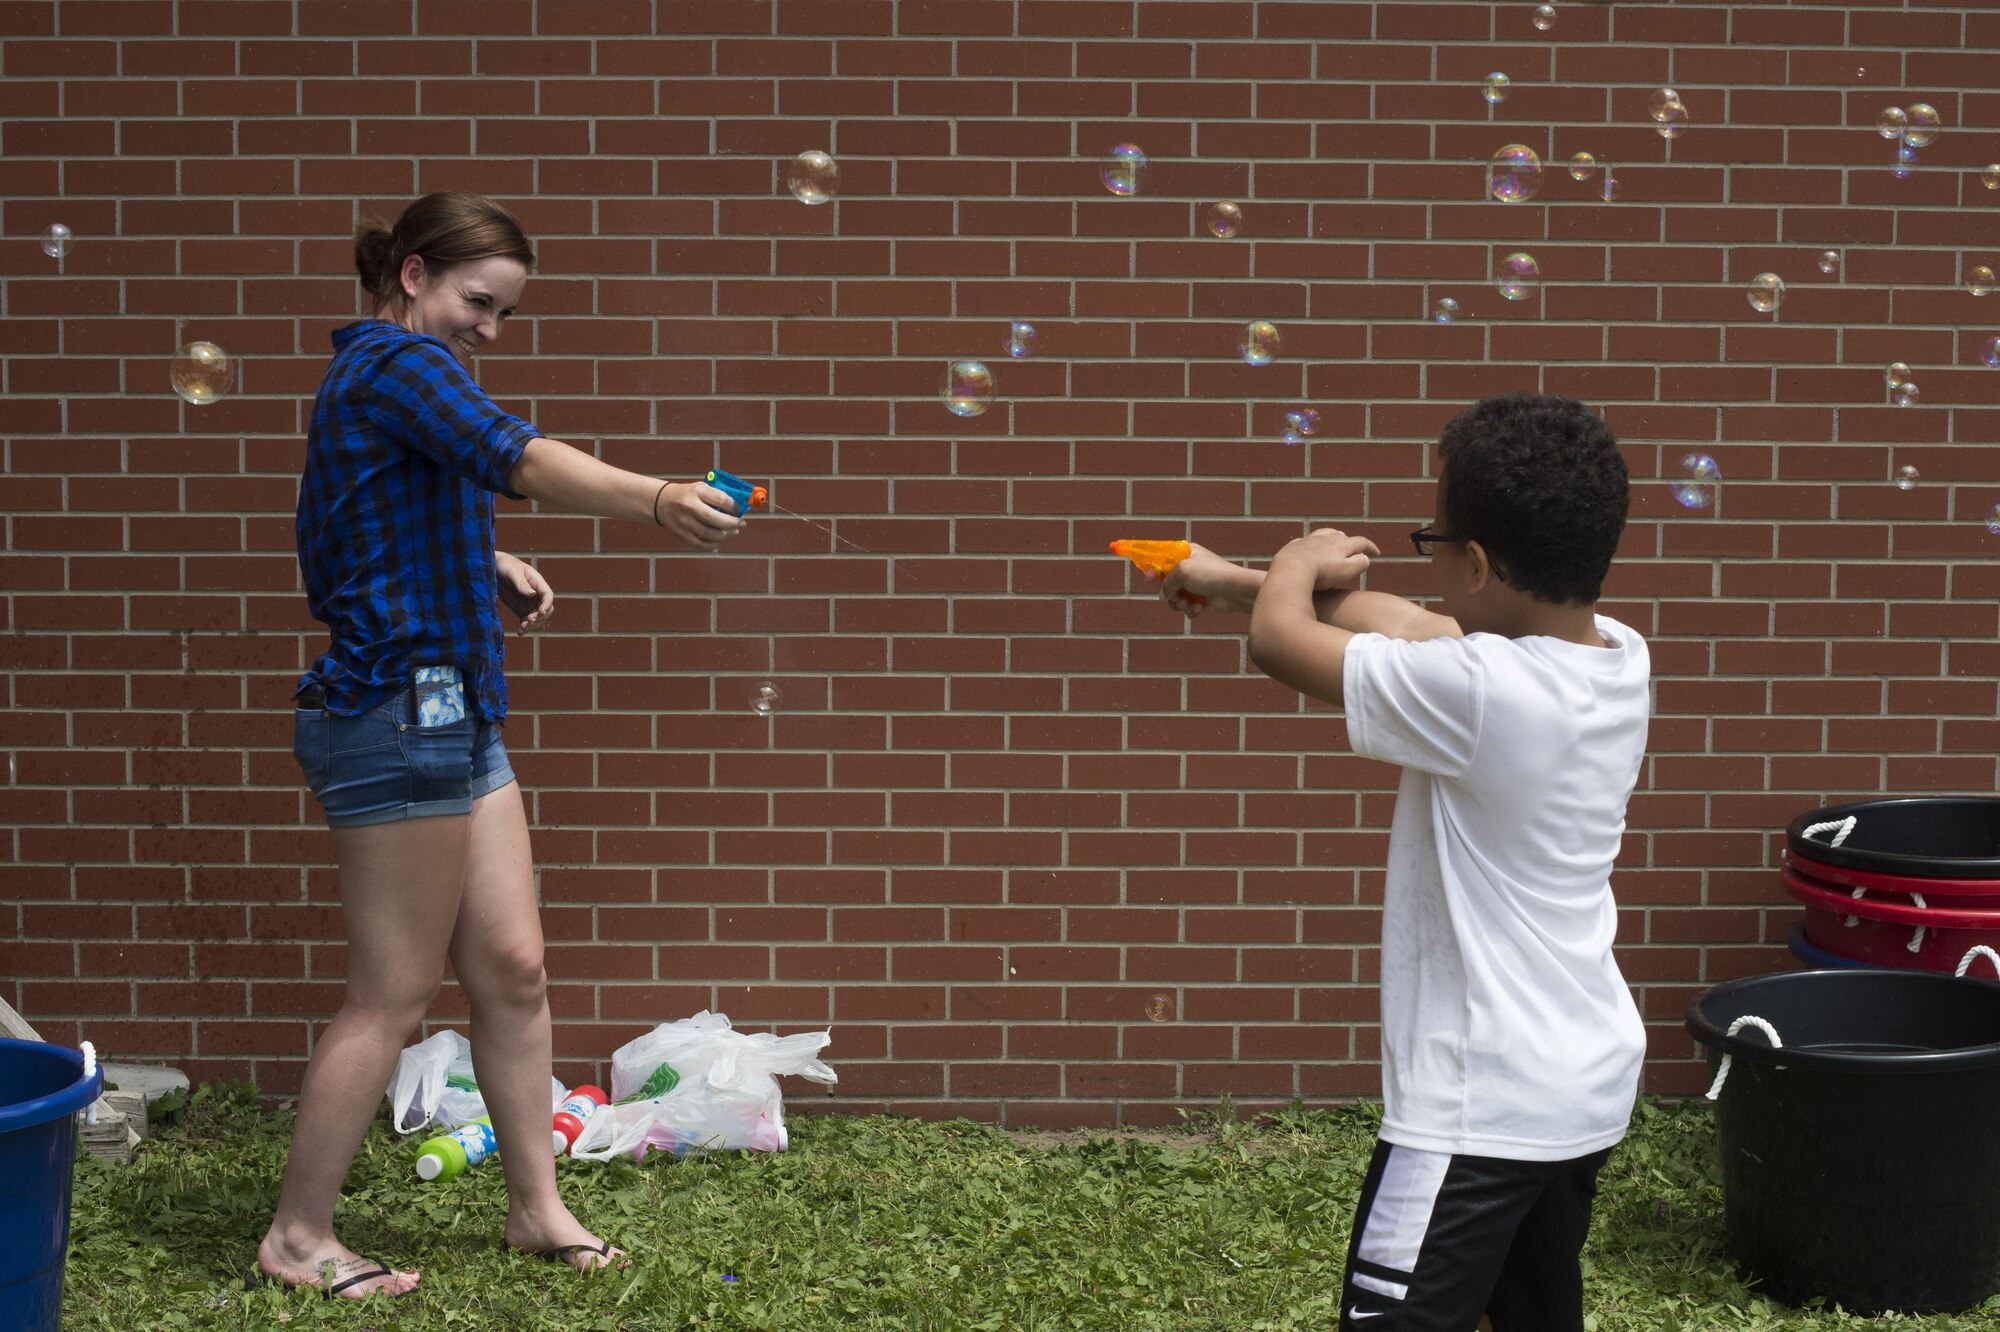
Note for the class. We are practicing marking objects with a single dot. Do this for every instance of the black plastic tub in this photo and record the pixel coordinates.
(1924, 837)
(1861, 1162)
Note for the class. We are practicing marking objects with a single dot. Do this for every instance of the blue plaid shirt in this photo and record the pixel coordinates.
(395, 523)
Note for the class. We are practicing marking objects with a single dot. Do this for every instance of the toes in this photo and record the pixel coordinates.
(593, 1262)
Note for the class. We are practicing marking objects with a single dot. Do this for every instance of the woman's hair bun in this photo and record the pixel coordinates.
(374, 248)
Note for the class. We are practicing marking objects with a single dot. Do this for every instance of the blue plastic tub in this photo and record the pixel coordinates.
(41, 1089)
(1817, 958)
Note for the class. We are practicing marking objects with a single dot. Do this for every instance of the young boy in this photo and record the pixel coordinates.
(1510, 1044)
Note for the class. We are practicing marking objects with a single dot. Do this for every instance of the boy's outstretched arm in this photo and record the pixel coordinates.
(1381, 613)
(1288, 640)
(1228, 586)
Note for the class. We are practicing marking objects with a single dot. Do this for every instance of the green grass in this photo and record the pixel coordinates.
(877, 1223)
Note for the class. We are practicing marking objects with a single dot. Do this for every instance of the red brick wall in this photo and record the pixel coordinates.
(1007, 799)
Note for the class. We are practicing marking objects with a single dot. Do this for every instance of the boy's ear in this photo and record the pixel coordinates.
(1480, 568)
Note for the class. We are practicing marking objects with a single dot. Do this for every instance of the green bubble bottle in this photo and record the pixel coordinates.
(452, 1154)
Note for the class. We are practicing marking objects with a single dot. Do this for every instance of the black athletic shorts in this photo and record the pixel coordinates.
(1439, 1240)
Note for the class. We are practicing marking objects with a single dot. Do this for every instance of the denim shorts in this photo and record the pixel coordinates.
(382, 765)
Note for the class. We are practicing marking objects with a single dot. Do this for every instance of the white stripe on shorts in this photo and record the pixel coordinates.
(1395, 1290)
(1399, 1215)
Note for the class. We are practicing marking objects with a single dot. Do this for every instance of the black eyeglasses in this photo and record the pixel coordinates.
(1423, 538)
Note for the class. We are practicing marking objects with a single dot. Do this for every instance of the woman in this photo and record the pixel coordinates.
(397, 724)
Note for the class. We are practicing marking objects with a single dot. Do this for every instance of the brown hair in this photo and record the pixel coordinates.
(443, 230)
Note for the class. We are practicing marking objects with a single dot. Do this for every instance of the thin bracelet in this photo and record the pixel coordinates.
(656, 502)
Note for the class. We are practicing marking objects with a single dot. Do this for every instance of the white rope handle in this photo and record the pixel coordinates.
(1722, 1073)
(1917, 939)
(1975, 951)
(1845, 825)
(89, 1072)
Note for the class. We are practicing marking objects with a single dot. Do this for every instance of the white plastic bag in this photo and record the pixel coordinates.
(434, 1084)
(417, 1086)
(653, 1065)
(719, 1090)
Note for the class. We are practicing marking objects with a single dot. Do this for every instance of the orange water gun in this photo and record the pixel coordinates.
(1158, 558)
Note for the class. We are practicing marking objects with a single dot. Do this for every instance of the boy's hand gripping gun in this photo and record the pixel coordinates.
(1158, 558)
(747, 496)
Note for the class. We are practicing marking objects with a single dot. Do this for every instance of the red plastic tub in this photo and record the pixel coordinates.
(1840, 878)
(1884, 930)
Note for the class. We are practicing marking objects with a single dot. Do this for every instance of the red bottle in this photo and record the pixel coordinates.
(574, 1113)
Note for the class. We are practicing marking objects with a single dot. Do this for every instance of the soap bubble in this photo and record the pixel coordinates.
(1897, 374)
(764, 698)
(1582, 166)
(1223, 219)
(1124, 169)
(1497, 87)
(56, 239)
(1700, 479)
(1907, 477)
(1829, 261)
(1660, 101)
(1519, 276)
(1608, 190)
(814, 177)
(1020, 339)
(1259, 342)
(1445, 311)
(1300, 425)
(1979, 280)
(1905, 393)
(1990, 177)
(1906, 161)
(1891, 123)
(1672, 121)
(1545, 17)
(968, 388)
(1767, 291)
(202, 372)
(1514, 174)
(1992, 353)
(1159, 1007)
(1993, 520)
(1922, 131)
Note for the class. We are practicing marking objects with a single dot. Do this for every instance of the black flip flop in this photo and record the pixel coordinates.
(259, 1277)
(561, 1255)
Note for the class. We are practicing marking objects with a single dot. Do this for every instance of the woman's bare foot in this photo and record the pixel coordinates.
(532, 1233)
(300, 1260)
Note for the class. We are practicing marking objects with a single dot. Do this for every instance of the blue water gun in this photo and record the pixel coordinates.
(747, 496)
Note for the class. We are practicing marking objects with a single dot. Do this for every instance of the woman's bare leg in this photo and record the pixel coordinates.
(496, 953)
(399, 889)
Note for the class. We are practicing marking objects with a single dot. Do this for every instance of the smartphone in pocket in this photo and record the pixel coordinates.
(440, 694)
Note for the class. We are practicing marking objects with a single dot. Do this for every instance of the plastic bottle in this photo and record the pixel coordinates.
(454, 1153)
(574, 1113)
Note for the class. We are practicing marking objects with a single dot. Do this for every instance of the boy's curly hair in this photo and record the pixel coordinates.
(1539, 482)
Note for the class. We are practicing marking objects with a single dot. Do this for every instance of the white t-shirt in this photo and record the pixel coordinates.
(1507, 1030)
